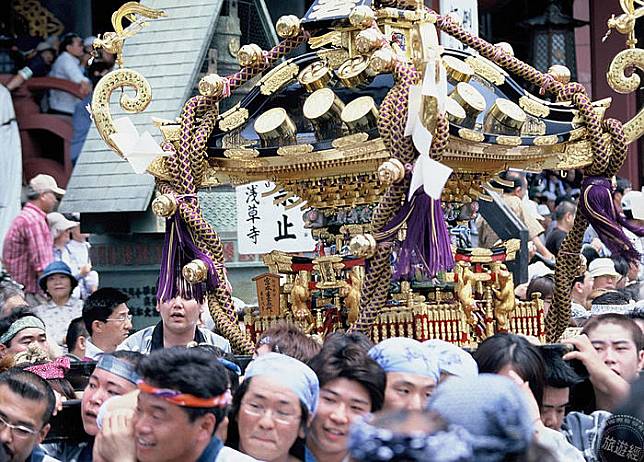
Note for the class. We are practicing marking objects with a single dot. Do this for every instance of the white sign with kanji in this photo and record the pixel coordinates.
(263, 227)
(467, 11)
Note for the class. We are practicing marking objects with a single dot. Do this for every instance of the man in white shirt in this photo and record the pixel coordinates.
(68, 66)
(178, 327)
(107, 319)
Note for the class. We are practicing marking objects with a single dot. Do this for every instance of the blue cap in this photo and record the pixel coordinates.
(57, 267)
(290, 373)
(496, 415)
(406, 355)
(452, 359)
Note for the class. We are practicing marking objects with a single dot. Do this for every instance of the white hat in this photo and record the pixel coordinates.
(538, 269)
(602, 267)
(44, 46)
(44, 183)
(88, 41)
(58, 223)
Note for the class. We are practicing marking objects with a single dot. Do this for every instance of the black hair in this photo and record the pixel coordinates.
(289, 339)
(232, 438)
(621, 264)
(351, 362)
(620, 320)
(503, 349)
(30, 386)
(100, 305)
(545, 285)
(612, 297)
(579, 279)
(559, 374)
(67, 40)
(344, 339)
(564, 207)
(132, 357)
(515, 178)
(637, 313)
(590, 253)
(216, 352)
(7, 321)
(75, 330)
(187, 370)
(96, 70)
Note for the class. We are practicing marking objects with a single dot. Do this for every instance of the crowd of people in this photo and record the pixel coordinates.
(69, 57)
(174, 391)
(547, 206)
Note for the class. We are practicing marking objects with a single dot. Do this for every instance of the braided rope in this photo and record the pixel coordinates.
(566, 270)
(391, 126)
(187, 165)
(608, 157)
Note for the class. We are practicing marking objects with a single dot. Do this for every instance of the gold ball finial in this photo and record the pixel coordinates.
(288, 26)
(505, 46)
(212, 85)
(391, 171)
(560, 73)
(164, 205)
(249, 55)
(363, 246)
(362, 17)
(382, 60)
(367, 40)
(195, 272)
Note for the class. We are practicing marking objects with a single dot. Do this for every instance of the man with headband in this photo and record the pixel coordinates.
(412, 372)
(273, 407)
(19, 331)
(183, 398)
(115, 374)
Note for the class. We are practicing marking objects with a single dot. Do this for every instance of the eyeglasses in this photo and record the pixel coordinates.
(279, 416)
(123, 318)
(18, 431)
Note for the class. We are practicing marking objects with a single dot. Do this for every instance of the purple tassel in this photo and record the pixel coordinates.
(178, 249)
(427, 244)
(596, 203)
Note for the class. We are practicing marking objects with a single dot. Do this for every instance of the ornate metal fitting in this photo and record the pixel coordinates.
(212, 85)
(363, 246)
(354, 72)
(382, 60)
(560, 73)
(367, 40)
(164, 205)
(391, 171)
(249, 55)
(195, 272)
(315, 76)
(275, 126)
(362, 17)
(457, 69)
(360, 115)
(288, 26)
